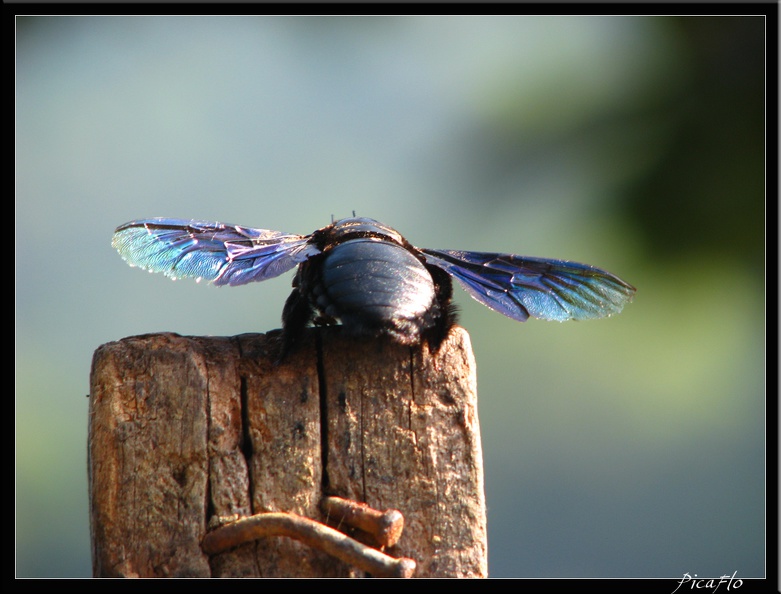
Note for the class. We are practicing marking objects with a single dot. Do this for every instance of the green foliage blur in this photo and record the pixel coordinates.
(706, 192)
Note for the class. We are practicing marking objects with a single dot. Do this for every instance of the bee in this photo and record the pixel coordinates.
(364, 275)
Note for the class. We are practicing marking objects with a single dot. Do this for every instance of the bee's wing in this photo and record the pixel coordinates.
(519, 287)
(221, 253)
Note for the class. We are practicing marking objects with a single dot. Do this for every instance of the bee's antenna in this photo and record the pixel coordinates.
(332, 217)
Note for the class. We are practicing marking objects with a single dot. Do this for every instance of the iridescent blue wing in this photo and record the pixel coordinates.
(220, 253)
(519, 287)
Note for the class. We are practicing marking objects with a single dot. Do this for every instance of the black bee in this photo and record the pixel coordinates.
(366, 276)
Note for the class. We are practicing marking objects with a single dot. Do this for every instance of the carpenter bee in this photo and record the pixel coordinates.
(366, 276)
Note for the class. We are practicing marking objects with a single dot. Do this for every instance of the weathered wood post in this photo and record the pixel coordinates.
(188, 433)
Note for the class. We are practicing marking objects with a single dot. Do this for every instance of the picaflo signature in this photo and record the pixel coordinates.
(711, 584)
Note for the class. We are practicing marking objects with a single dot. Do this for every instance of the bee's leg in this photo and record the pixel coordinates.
(296, 315)
(448, 314)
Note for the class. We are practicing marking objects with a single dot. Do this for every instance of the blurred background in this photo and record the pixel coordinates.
(627, 447)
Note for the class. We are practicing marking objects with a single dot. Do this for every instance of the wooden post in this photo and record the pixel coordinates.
(187, 433)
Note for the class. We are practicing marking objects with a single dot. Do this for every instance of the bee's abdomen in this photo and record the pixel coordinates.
(375, 287)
